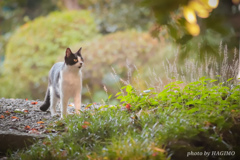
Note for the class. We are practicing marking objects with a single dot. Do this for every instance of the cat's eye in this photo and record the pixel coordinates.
(75, 60)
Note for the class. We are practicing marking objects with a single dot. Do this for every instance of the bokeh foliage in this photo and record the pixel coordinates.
(119, 15)
(35, 46)
(14, 13)
(197, 23)
(121, 51)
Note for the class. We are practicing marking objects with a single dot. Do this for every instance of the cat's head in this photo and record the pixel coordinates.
(74, 59)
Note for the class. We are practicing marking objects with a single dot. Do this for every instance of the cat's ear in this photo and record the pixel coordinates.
(68, 52)
(79, 51)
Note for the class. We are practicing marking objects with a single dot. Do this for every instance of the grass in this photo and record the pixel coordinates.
(201, 116)
(190, 114)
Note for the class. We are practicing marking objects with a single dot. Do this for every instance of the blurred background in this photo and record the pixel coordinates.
(147, 43)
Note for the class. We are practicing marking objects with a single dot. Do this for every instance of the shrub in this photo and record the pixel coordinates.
(34, 48)
(121, 51)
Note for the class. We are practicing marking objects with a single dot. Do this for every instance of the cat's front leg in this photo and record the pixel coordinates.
(64, 102)
(77, 103)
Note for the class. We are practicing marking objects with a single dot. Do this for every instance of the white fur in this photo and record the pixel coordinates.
(70, 86)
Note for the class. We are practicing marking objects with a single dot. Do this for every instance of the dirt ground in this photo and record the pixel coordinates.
(22, 115)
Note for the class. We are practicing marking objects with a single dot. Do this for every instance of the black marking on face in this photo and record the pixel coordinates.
(72, 58)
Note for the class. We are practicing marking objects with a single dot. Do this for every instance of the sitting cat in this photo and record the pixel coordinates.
(64, 82)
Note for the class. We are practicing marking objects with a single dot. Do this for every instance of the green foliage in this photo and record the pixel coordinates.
(195, 96)
(205, 119)
(35, 47)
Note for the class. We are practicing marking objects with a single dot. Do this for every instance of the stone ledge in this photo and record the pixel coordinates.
(15, 140)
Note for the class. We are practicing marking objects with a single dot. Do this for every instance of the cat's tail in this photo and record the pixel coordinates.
(46, 103)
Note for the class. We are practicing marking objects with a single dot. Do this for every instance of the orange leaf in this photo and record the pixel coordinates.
(33, 103)
(14, 117)
(27, 127)
(26, 111)
(2, 116)
(84, 126)
(40, 122)
(158, 149)
(26, 99)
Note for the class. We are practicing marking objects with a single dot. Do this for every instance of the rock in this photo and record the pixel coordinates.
(13, 141)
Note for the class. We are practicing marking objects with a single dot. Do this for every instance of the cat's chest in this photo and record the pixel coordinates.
(70, 79)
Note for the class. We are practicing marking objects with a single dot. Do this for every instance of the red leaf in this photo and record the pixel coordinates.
(2, 117)
(40, 122)
(128, 106)
(33, 103)
(27, 127)
(84, 126)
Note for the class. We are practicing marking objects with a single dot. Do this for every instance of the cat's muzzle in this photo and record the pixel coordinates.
(80, 65)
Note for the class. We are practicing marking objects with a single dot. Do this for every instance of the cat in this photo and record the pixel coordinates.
(64, 82)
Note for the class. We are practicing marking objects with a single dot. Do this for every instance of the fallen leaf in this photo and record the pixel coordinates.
(2, 116)
(27, 127)
(14, 117)
(26, 99)
(33, 103)
(41, 126)
(158, 149)
(71, 105)
(84, 126)
(25, 110)
(18, 111)
(7, 113)
(33, 130)
(40, 122)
